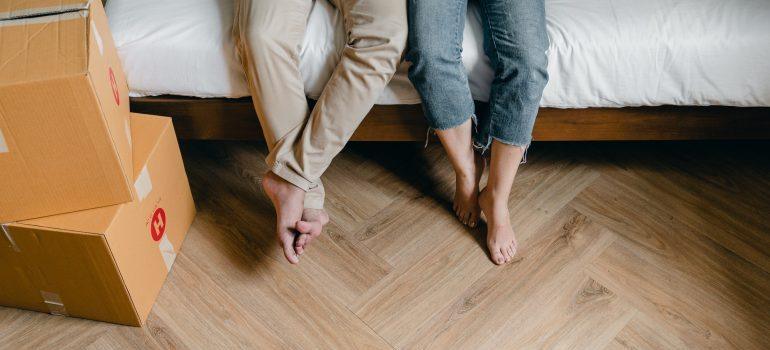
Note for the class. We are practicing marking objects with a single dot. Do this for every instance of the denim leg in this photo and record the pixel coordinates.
(516, 41)
(435, 48)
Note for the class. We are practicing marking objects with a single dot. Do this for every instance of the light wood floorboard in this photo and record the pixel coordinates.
(622, 246)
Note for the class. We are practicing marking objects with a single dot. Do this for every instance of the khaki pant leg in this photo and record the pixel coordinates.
(268, 35)
(377, 31)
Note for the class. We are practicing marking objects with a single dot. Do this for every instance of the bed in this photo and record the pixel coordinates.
(619, 69)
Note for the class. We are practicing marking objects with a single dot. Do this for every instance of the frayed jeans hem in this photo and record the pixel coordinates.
(483, 148)
(433, 128)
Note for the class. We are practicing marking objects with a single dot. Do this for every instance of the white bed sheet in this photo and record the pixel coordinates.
(603, 53)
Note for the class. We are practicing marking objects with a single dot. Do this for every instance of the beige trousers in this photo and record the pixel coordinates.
(301, 142)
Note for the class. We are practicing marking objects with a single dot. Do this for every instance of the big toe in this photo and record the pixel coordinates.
(287, 243)
(463, 214)
(497, 256)
(312, 228)
(473, 220)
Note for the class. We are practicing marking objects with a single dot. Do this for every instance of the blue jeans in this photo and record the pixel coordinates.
(515, 40)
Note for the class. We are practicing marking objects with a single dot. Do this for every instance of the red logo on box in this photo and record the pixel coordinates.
(114, 86)
(158, 224)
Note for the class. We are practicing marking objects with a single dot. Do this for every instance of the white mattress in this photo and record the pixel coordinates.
(603, 53)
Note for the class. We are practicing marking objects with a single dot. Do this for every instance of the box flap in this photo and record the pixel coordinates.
(62, 273)
(147, 234)
(10, 9)
(109, 84)
(150, 128)
(60, 156)
(98, 220)
(31, 49)
(95, 221)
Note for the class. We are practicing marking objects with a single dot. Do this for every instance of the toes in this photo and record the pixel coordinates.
(512, 250)
(308, 230)
(465, 217)
(497, 257)
(287, 242)
(506, 254)
(312, 228)
(300, 242)
(303, 226)
(474, 218)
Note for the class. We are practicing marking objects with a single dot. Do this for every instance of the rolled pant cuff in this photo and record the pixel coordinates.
(292, 177)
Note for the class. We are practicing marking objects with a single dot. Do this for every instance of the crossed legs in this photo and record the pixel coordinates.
(302, 143)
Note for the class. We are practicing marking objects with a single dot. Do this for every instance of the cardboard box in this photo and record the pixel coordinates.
(65, 141)
(108, 263)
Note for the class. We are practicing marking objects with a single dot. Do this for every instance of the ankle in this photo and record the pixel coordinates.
(495, 201)
(274, 184)
(468, 169)
(464, 176)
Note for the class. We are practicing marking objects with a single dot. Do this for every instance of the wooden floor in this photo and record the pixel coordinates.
(623, 246)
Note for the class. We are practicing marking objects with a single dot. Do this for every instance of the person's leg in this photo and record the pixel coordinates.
(376, 36)
(468, 166)
(376, 32)
(437, 72)
(493, 200)
(516, 42)
(268, 34)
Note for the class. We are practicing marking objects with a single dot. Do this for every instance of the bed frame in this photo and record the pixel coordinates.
(235, 119)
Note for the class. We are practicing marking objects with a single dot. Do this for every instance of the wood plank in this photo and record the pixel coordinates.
(397, 306)
(622, 246)
(506, 307)
(284, 298)
(591, 319)
(694, 325)
(235, 119)
(717, 196)
(659, 246)
(203, 315)
(645, 333)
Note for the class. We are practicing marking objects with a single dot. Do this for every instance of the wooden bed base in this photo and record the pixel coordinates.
(235, 119)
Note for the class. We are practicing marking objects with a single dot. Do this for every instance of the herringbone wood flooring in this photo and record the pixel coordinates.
(623, 245)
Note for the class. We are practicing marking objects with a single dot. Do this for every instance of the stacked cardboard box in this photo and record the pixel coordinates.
(94, 200)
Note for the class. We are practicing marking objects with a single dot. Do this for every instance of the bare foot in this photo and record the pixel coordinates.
(288, 202)
(501, 240)
(310, 226)
(466, 205)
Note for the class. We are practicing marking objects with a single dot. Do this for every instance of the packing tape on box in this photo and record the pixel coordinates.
(143, 184)
(127, 128)
(41, 11)
(4, 228)
(3, 145)
(97, 38)
(167, 251)
(54, 303)
(40, 17)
